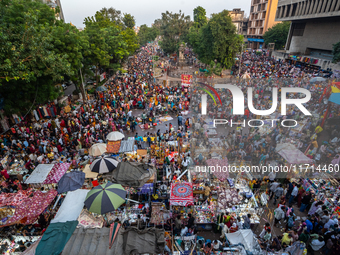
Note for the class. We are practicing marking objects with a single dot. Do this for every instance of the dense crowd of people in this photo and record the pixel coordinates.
(132, 102)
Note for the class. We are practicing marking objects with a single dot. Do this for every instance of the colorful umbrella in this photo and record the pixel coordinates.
(105, 198)
(103, 165)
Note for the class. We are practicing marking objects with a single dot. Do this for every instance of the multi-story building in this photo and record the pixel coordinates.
(53, 4)
(239, 20)
(261, 18)
(315, 26)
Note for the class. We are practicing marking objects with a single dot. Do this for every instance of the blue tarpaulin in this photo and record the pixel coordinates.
(147, 189)
(335, 98)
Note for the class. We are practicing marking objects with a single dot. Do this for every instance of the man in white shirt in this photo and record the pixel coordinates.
(217, 245)
(317, 244)
(293, 195)
(184, 230)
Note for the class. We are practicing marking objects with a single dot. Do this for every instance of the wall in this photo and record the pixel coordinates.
(318, 34)
(270, 15)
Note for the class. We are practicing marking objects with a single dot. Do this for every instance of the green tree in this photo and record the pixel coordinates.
(30, 65)
(129, 20)
(67, 39)
(147, 34)
(200, 18)
(98, 54)
(336, 52)
(277, 34)
(174, 29)
(113, 15)
(217, 41)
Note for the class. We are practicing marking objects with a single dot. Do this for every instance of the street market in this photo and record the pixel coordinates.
(136, 162)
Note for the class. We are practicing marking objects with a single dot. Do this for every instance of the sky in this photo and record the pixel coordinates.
(146, 11)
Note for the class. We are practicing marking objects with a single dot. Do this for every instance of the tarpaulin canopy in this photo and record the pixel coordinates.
(71, 181)
(88, 173)
(39, 174)
(293, 155)
(127, 146)
(335, 98)
(14, 199)
(135, 241)
(181, 194)
(31, 207)
(146, 189)
(58, 170)
(55, 238)
(89, 241)
(245, 237)
(132, 174)
(71, 207)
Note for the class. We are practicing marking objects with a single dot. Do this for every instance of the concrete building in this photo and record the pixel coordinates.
(53, 4)
(315, 26)
(261, 18)
(240, 21)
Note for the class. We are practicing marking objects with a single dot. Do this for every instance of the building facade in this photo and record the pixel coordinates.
(240, 21)
(261, 18)
(53, 4)
(315, 26)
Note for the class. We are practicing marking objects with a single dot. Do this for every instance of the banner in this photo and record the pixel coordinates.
(186, 79)
(102, 76)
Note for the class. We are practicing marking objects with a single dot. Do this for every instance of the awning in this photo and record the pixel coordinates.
(127, 146)
(55, 238)
(58, 170)
(293, 155)
(71, 207)
(255, 40)
(39, 174)
(31, 207)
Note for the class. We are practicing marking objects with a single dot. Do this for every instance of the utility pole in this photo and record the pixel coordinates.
(82, 86)
(239, 65)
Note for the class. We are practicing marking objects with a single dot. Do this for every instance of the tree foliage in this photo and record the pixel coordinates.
(336, 52)
(129, 20)
(147, 34)
(200, 18)
(174, 29)
(277, 34)
(38, 51)
(216, 41)
(30, 63)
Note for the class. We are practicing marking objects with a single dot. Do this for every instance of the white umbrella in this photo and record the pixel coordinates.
(115, 136)
(315, 79)
(104, 165)
(97, 149)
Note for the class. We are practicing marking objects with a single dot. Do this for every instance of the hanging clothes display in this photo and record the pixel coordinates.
(36, 115)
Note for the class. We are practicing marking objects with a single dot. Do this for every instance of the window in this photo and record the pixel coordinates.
(259, 7)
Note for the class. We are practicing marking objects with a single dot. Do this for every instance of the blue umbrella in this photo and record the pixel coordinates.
(101, 88)
(71, 181)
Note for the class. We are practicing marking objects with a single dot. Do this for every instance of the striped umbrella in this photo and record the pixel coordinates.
(105, 198)
(104, 165)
